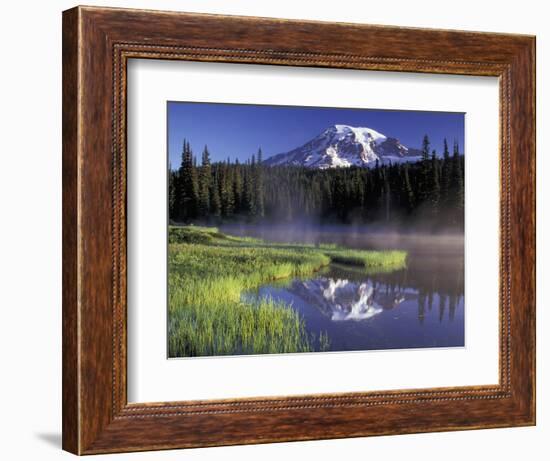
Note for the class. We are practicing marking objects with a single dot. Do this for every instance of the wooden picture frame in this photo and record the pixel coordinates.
(97, 43)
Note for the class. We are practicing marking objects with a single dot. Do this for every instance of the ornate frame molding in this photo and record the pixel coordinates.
(97, 45)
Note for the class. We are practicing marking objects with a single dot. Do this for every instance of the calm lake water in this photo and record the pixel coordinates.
(420, 306)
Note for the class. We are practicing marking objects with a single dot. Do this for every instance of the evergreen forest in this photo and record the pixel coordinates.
(426, 193)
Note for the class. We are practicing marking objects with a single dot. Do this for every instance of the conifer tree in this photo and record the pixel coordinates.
(259, 186)
(250, 189)
(205, 179)
(425, 149)
(326, 197)
(387, 197)
(409, 194)
(228, 203)
(215, 200)
(435, 189)
(426, 167)
(260, 156)
(238, 187)
(445, 175)
(247, 205)
(188, 185)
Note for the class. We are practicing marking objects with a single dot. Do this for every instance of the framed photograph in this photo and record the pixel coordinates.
(280, 230)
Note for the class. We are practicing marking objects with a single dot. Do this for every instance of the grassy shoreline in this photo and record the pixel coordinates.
(208, 272)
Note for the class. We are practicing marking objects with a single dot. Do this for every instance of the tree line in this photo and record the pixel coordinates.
(427, 192)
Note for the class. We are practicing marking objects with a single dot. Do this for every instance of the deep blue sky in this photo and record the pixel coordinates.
(238, 130)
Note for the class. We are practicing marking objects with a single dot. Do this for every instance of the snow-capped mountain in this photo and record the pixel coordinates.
(344, 146)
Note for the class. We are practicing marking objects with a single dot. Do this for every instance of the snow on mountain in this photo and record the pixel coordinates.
(342, 299)
(344, 146)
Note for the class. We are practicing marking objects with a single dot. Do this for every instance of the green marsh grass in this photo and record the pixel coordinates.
(209, 271)
(369, 259)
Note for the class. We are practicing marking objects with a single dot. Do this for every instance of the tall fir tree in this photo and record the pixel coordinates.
(425, 178)
(387, 195)
(215, 200)
(205, 180)
(435, 187)
(250, 189)
(425, 148)
(408, 191)
(259, 186)
(238, 187)
(189, 186)
(246, 196)
(445, 175)
(227, 191)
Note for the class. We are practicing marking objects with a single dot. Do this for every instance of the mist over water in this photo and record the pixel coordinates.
(446, 246)
(416, 307)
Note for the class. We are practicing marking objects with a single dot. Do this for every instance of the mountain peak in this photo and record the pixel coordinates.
(345, 146)
(357, 130)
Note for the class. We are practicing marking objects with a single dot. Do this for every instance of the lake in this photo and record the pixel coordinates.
(346, 308)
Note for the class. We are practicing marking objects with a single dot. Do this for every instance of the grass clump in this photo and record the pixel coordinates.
(394, 259)
(194, 234)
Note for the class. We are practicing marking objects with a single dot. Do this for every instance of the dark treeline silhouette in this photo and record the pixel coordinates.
(428, 192)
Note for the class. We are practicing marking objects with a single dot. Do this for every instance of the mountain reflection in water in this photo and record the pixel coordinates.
(339, 299)
(417, 307)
